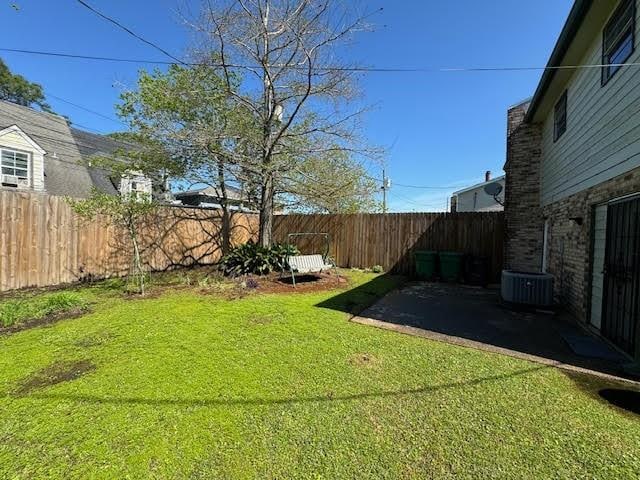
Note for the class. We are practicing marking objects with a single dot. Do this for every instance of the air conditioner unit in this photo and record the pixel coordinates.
(23, 183)
(10, 180)
(523, 288)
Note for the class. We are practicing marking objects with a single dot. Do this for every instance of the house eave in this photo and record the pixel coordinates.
(572, 26)
(479, 185)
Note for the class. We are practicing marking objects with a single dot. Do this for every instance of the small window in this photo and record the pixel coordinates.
(560, 117)
(15, 168)
(618, 39)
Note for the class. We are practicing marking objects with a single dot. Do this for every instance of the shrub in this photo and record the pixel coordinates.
(377, 269)
(254, 259)
(17, 311)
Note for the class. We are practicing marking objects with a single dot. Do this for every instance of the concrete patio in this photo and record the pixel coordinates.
(475, 317)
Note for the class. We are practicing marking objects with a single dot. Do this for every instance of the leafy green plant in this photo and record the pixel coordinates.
(17, 311)
(377, 269)
(251, 258)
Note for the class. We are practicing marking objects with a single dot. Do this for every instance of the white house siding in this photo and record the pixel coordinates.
(14, 140)
(602, 139)
(477, 200)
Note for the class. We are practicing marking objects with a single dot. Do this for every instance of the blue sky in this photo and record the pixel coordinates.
(442, 129)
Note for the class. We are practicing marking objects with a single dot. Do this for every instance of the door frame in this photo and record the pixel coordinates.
(615, 201)
(612, 201)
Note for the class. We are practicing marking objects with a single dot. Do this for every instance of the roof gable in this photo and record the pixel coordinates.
(17, 130)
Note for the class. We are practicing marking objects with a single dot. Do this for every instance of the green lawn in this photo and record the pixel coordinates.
(192, 385)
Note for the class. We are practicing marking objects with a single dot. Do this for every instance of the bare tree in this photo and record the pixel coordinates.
(296, 83)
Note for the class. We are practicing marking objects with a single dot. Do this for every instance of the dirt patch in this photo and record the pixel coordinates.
(365, 360)
(241, 287)
(304, 284)
(54, 374)
(48, 320)
(148, 295)
(265, 319)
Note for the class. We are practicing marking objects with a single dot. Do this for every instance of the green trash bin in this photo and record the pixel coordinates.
(426, 264)
(450, 266)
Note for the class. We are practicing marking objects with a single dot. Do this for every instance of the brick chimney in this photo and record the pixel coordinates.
(487, 176)
(523, 215)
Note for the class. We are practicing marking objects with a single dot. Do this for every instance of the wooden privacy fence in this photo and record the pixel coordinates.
(389, 240)
(43, 243)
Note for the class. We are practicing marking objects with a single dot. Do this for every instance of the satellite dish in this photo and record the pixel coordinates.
(493, 189)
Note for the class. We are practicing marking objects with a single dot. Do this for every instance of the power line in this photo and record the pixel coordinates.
(129, 31)
(418, 204)
(451, 187)
(330, 68)
(424, 187)
(85, 109)
(85, 57)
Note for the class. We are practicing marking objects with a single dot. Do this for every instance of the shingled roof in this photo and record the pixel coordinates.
(69, 150)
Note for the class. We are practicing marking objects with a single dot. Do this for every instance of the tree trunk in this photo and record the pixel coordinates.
(226, 216)
(137, 262)
(265, 233)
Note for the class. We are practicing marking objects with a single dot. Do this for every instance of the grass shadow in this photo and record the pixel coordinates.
(328, 397)
(357, 299)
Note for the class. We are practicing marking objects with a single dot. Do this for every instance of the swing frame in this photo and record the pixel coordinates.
(303, 264)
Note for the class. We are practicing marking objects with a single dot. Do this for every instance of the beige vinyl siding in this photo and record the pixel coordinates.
(599, 247)
(602, 139)
(13, 140)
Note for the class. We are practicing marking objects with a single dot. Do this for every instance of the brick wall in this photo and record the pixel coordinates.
(524, 223)
(570, 244)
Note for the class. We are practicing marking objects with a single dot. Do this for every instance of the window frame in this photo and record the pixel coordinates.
(28, 169)
(606, 74)
(564, 99)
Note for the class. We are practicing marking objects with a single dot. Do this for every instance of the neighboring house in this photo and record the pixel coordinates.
(210, 197)
(476, 198)
(40, 152)
(573, 172)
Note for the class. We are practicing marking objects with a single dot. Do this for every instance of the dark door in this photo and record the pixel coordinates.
(622, 275)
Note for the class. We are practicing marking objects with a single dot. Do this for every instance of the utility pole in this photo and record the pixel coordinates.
(386, 185)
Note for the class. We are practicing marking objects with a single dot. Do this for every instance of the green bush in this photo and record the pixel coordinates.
(19, 310)
(251, 258)
(377, 269)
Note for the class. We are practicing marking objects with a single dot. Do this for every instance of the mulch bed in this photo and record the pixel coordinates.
(304, 283)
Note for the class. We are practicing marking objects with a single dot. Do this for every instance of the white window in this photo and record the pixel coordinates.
(15, 168)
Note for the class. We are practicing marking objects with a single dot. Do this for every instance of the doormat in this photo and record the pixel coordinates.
(588, 346)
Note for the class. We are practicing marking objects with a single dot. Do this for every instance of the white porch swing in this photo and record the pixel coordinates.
(304, 264)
